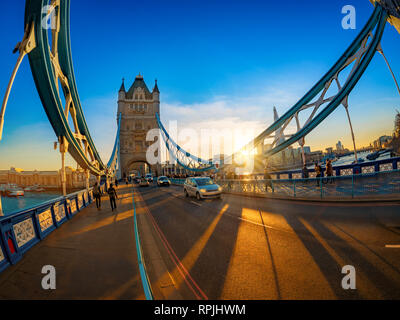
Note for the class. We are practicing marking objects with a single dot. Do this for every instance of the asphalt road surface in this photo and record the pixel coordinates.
(235, 248)
(251, 248)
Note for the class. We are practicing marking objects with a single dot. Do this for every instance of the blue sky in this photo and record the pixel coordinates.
(218, 63)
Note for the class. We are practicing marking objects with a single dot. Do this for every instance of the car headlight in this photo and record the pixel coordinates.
(203, 190)
(219, 188)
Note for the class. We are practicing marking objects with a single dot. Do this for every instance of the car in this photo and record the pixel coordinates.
(144, 183)
(149, 177)
(163, 181)
(202, 188)
(136, 180)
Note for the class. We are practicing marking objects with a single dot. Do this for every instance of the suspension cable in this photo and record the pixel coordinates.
(390, 69)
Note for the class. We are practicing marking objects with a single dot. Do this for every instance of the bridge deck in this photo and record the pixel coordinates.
(94, 255)
(235, 248)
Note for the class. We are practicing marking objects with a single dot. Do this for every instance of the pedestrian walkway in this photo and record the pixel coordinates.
(94, 255)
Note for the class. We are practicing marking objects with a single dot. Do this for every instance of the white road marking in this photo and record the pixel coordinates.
(197, 204)
(393, 246)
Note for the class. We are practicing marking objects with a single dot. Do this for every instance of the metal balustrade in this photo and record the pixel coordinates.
(344, 170)
(377, 185)
(20, 231)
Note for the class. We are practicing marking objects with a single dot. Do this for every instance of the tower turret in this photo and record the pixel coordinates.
(156, 92)
(122, 91)
(156, 98)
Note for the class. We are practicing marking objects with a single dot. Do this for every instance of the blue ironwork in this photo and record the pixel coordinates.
(360, 52)
(378, 20)
(193, 163)
(377, 186)
(51, 63)
(338, 169)
(113, 162)
(15, 244)
(48, 65)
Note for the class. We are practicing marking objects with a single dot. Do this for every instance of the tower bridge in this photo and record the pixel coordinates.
(158, 244)
(138, 108)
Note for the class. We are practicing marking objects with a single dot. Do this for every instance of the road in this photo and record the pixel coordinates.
(235, 248)
(251, 248)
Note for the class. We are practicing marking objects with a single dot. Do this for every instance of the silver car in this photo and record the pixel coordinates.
(202, 188)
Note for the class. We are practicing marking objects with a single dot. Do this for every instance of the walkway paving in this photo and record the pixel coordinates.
(94, 255)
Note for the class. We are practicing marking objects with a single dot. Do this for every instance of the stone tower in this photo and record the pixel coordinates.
(138, 107)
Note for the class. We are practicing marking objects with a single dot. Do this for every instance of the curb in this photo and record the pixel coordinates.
(142, 268)
(164, 287)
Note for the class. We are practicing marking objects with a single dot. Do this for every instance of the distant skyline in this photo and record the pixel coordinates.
(219, 64)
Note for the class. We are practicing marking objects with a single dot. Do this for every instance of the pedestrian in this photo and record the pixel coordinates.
(116, 183)
(318, 171)
(97, 195)
(305, 173)
(329, 170)
(113, 195)
(268, 180)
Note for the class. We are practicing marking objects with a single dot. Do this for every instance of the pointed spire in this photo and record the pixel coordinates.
(276, 117)
(122, 85)
(156, 88)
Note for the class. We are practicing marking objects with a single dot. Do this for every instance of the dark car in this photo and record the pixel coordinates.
(163, 181)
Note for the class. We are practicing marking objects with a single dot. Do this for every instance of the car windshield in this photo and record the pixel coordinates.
(204, 181)
(162, 178)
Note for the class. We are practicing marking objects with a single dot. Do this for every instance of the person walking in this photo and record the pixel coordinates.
(268, 180)
(318, 171)
(305, 173)
(113, 195)
(97, 195)
(329, 170)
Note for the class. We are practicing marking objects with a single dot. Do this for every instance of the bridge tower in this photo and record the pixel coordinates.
(138, 107)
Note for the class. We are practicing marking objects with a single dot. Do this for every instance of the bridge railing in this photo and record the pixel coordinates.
(377, 185)
(382, 185)
(344, 170)
(20, 231)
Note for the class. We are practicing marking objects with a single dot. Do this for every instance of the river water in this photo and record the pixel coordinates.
(31, 199)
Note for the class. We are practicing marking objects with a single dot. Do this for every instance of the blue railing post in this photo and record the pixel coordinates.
(320, 184)
(294, 188)
(352, 186)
